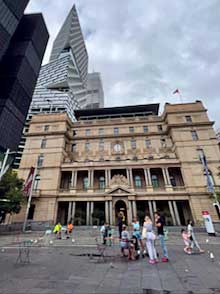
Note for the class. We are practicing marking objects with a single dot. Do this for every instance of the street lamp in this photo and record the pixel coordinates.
(3, 166)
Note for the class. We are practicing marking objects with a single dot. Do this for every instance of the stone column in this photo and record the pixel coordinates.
(149, 176)
(106, 212)
(154, 205)
(91, 179)
(130, 217)
(109, 177)
(91, 212)
(73, 210)
(69, 211)
(87, 213)
(151, 210)
(165, 176)
(131, 178)
(128, 177)
(106, 179)
(176, 212)
(75, 180)
(110, 212)
(72, 179)
(134, 208)
(168, 177)
(146, 177)
(172, 212)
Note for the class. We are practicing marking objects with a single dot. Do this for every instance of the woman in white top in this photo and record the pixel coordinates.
(149, 235)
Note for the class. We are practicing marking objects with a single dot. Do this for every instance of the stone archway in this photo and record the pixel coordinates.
(120, 206)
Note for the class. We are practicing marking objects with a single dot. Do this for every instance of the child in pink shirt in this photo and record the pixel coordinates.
(187, 249)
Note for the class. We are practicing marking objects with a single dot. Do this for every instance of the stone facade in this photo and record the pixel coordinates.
(126, 159)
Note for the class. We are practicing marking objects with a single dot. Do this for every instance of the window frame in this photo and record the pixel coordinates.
(194, 135)
(148, 146)
(116, 131)
(43, 143)
(188, 118)
(133, 143)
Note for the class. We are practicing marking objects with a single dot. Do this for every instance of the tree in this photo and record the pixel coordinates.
(11, 193)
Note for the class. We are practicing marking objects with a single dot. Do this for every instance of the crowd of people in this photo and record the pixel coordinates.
(152, 230)
(140, 241)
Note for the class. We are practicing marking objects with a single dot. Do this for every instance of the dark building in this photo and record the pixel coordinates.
(11, 12)
(19, 69)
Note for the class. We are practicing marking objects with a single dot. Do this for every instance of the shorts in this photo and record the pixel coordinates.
(124, 245)
(137, 234)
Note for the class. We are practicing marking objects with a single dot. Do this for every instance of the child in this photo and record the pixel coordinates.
(137, 234)
(125, 244)
(186, 239)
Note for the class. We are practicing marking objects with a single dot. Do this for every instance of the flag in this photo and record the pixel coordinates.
(210, 186)
(176, 91)
(28, 182)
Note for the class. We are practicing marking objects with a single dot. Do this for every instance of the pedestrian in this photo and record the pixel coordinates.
(192, 236)
(57, 230)
(70, 228)
(126, 244)
(159, 223)
(137, 234)
(102, 230)
(186, 239)
(120, 223)
(150, 237)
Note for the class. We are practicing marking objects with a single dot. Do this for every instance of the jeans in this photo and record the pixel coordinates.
(151, 249)
(163, 245)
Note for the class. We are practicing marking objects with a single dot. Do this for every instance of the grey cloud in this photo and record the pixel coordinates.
(147, 49)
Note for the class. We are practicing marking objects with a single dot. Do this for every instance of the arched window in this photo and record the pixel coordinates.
(102, 183)
(85, 183)
(155, 182)
(36, 182)
(137, 181)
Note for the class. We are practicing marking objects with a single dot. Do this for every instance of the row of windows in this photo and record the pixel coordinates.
(188, 119)
(116, 130)
(102, 145)
(132, 142)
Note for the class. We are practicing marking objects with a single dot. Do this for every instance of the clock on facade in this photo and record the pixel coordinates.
(117, 148)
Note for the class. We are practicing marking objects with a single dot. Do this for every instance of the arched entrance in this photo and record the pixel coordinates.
(120, 206)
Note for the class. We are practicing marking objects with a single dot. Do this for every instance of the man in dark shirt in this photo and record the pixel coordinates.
(159, 222)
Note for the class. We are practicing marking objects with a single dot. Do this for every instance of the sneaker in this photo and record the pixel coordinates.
(152, 261)
(165, 259)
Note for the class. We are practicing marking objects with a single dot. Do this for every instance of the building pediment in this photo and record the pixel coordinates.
(119, 190)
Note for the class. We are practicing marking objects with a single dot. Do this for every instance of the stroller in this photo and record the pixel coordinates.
(135, 242)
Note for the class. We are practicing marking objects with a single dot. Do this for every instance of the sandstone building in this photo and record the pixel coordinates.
(128, 159)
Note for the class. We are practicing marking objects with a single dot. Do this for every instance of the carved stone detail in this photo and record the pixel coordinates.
(119, 180)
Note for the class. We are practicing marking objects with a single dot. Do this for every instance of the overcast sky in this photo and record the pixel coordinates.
(145, 49)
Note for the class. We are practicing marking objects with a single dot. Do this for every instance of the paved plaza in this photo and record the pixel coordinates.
(75, 267)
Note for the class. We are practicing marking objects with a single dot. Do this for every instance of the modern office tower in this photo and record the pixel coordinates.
(20, 67)
(11, 12)
(95, 91)
(62, 83)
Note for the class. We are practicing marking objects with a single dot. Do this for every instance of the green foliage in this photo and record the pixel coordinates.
(11, 193)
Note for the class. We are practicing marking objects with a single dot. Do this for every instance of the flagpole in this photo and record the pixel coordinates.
(29, 201)
(181, 98)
